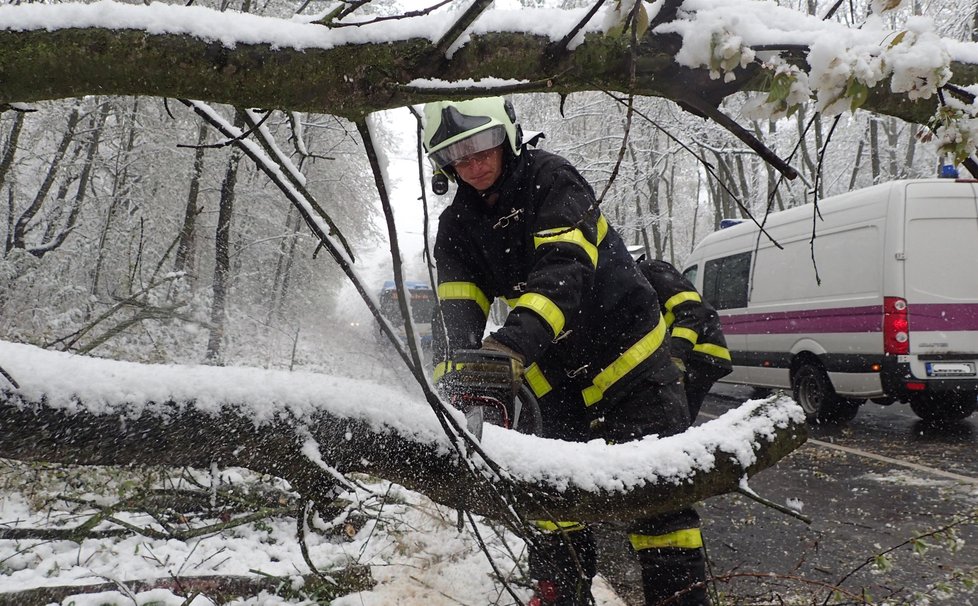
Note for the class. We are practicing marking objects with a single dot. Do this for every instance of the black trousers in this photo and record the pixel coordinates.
(672, 560)
(697, 383)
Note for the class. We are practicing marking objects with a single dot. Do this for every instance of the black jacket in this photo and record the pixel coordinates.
(581, 313)
(693, 323)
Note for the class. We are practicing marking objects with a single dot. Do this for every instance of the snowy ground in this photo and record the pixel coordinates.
(415, 553)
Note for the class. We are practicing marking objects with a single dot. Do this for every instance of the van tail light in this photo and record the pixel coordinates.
(896, 326)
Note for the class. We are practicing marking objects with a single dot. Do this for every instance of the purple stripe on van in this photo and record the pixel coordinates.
(935, 316)
(838, 319)
(869, 318)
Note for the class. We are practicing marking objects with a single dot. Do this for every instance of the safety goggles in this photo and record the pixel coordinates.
(459, 150)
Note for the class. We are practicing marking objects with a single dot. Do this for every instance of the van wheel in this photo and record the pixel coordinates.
(944, 407)
(814, 392)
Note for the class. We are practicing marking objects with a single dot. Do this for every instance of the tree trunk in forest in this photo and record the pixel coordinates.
(283, 265)
(185, 258)
(891, 130)
(874, 150)
(222, 252)
(856, 163)
(56, 233)
(6, 161)
(654, 214)
(120, 191)
(23, 222)
(671, 230)
(912, 133)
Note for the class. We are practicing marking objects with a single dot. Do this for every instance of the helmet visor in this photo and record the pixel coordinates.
(481, 141)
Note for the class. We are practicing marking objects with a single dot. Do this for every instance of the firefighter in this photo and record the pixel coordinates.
(525, 226)
(697, 344)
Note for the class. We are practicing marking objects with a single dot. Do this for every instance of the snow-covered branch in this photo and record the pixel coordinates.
(702, 48)
(134, 414)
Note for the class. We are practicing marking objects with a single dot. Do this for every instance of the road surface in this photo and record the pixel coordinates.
(871, 488)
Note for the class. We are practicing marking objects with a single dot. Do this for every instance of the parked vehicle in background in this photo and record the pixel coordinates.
(882, 303)
(422, 304)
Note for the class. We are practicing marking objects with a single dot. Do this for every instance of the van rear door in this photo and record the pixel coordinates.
(940, 283)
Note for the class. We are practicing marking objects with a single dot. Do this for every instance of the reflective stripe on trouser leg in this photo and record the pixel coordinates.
(673, 567)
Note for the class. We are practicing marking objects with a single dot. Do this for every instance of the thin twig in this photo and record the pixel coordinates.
(10, 379)
(293, 173)
(750, 494)
(230, 141)
(558, 48)
(743, 134)
(406, 15)
(464, 21)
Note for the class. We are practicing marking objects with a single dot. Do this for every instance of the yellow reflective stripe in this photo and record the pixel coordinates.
(602, 228)
(681, 332)
(548, 526)
(569, 235)
(546, 308)
(466, 291)
(717, 351)
(682, 297)
(512, 302)
(632, 357)
(687, 538)
(537, 382)
(440, 370)
(670, 318)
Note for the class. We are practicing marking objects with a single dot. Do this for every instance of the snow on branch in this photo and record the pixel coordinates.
(88, 411)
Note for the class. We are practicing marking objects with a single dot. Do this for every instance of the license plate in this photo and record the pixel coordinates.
(950, 369)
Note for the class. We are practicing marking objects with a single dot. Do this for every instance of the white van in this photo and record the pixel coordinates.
(881, 304)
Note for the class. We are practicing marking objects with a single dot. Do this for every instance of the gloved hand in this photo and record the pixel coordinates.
(494, 345)
(679, 364)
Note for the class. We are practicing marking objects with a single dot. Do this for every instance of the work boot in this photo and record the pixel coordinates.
(545, 594)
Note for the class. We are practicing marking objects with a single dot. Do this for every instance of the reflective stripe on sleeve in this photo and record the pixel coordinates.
(681, 332)
(687, 538)
(538, 383)
(545, 308)
(632, 357)
(571, 236)
(682, 297)
(710, 349)
(548, 526)
(602, 228)
(465, 291)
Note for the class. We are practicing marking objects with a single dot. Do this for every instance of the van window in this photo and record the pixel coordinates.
(725, 281)
(690, 274)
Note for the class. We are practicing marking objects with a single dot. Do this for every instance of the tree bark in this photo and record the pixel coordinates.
(220, 588)
(40, 427)
(354, 79)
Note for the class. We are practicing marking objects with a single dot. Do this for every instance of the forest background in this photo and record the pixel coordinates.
(123, 217)
(133, 231)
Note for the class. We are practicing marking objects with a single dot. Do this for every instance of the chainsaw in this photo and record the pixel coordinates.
(487, 386)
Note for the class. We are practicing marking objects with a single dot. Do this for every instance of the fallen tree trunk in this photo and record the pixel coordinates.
(83, 411)
(353, 578)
